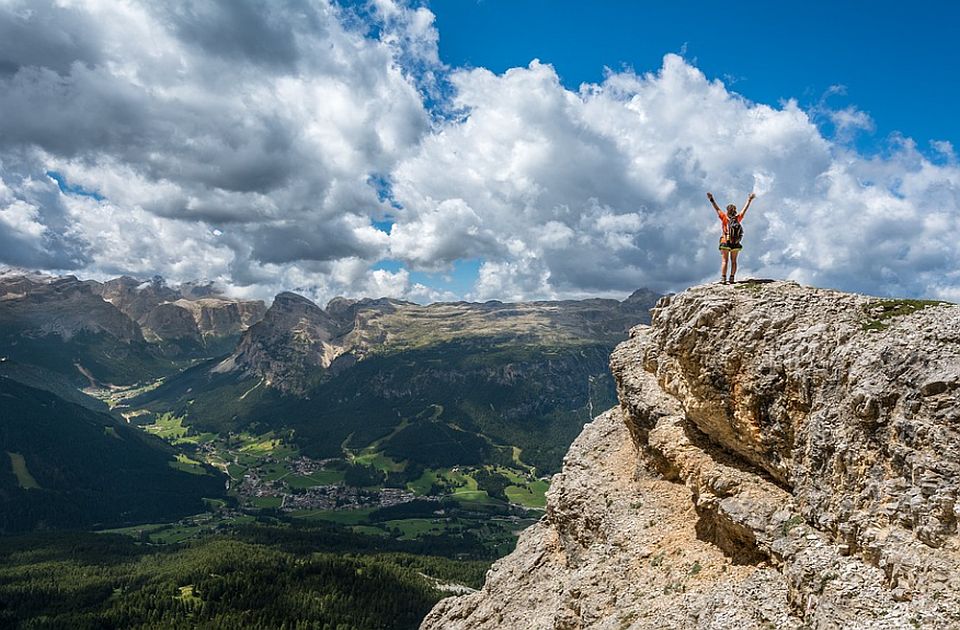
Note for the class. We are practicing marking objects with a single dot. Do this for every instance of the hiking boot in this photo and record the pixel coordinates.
(732, 281)
(723, 280)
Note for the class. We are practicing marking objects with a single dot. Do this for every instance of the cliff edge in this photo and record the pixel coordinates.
(782, 457)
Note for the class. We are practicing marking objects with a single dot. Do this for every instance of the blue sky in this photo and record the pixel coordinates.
(894, 61)
(458, 280)
(897, 60)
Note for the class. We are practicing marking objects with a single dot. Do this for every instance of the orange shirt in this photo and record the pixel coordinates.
(724, 219)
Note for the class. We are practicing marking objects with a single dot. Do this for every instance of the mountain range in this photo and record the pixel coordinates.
(119, 332)
(467, 378)
(386, 386)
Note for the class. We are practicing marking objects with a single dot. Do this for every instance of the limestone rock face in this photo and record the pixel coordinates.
(168, 321)
(617, 548)
(788, 457)
(190, 312)
(294, 338)
(135, 298)
(218, 316)
(35, 305)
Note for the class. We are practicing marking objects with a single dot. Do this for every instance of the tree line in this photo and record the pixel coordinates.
(82, 580)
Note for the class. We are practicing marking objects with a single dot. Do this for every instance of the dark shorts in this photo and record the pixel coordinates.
(727, 247)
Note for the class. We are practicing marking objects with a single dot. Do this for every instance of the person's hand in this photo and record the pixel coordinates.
(753, 195)
(710, 196)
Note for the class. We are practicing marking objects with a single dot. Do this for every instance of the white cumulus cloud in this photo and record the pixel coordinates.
(601, 190)
(263, 121)
(255, 143)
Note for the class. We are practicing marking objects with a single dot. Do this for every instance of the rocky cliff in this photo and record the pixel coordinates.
(117, 332)
(294, 338)
(782, 457)
(189, 312)
(36, 305)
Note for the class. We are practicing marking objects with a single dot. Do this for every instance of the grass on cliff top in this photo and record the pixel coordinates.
(880, 312)
(751, 285)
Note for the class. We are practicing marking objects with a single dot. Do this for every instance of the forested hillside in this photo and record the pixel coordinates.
(63, 465)
(80, 581)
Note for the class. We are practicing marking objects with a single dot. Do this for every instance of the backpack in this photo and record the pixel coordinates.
(734, 231)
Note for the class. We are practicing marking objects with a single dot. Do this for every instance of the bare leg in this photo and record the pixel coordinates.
(733, 263)
(724, 254)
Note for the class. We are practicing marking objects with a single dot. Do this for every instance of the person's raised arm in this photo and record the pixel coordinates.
(715, 206)
(750, 198)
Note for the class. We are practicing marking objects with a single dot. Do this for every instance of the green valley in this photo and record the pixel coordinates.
(206, 461)
(272, 481)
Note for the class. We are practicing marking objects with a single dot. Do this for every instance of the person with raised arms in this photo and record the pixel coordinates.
(732, 236)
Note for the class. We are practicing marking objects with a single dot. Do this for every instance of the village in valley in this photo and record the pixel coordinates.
(268, 479)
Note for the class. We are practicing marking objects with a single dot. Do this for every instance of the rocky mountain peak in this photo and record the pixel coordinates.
(116, 331)
(198, 290)
(295, 311)
(288, 299)
(642, 296)
(782, 456)
(193, 311)
(136, 298)
(37, 305)
(341, 307)
(295, 338)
